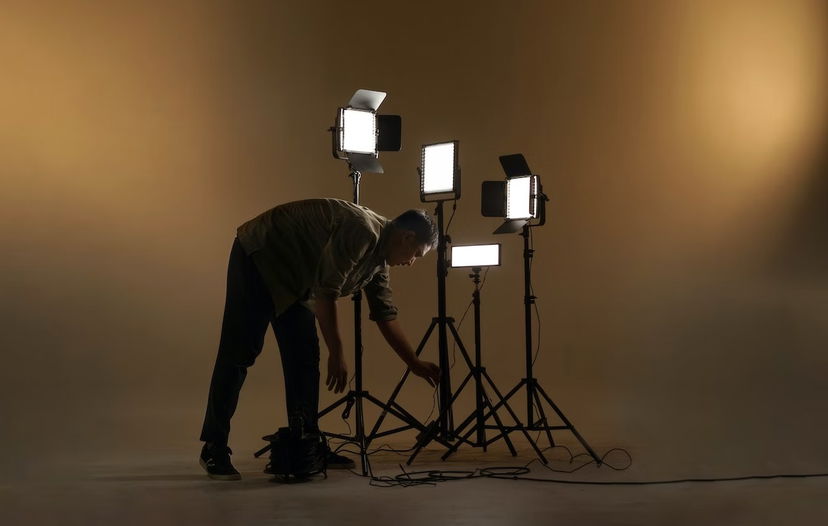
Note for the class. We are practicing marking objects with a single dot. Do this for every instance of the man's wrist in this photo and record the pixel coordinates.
(411, 360)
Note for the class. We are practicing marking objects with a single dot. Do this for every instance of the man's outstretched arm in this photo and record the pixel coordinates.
(394, 335)
(325, 310)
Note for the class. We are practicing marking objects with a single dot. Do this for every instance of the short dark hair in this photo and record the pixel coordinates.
(419, 222)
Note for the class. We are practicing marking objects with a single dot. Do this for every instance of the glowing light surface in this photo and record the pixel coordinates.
(475, 256)
(519, 198)
(438, 168)
(359, 132)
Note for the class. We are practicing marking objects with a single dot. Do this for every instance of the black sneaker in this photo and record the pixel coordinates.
(216, 462)
(335, 461)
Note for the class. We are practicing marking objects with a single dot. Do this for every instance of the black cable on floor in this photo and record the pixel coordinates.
(434, 477)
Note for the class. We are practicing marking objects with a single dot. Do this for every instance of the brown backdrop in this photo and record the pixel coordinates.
(682, 279)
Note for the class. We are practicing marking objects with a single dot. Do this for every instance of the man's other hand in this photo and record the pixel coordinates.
(427, 370)
(337, 373)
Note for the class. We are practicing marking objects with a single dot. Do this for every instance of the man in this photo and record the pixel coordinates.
(287, 268)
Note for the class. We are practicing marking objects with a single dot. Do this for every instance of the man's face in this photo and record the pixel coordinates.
(405, 249)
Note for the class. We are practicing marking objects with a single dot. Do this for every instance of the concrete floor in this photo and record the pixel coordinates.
(170, 488)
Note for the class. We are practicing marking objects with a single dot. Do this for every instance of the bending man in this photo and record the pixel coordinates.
(287, 268)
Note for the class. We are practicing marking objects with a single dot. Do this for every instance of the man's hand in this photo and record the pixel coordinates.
(337, 372)
(427, 370)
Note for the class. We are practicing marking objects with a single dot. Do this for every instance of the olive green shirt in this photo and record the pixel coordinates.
(321, 248)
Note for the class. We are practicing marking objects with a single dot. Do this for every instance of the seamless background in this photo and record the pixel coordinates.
(682, 278)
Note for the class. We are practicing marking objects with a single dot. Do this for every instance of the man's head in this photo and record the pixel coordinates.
(413, 234)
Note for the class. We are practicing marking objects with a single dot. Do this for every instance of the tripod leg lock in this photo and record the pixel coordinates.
(347, 411)
(428, 434)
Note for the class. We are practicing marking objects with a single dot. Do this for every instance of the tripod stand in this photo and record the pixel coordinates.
(354, 398)
(534, 392)
(482, 400)
(442, 429)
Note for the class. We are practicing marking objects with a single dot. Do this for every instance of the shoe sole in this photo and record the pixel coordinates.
(236, 476)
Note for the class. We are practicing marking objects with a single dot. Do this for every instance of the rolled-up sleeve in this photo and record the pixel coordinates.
(340, 256)
(378, 293)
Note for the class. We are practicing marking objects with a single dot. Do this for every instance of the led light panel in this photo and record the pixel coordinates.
(359, 131)
(438, 167)
(521, 197)
(475, 255)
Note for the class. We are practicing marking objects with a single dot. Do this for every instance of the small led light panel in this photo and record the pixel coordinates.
(439, 172)
(475, 255)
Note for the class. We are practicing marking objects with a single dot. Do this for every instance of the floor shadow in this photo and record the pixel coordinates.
(248, 481)
(190, 477)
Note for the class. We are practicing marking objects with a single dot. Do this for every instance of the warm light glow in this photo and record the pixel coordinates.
(520, 201)
(359, 133)
(751, 90)
(475, 255)
(438, 168)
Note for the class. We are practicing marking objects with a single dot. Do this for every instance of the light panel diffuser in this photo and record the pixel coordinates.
(359, 132)
(475, 255)
(521, 198)
(438, 167)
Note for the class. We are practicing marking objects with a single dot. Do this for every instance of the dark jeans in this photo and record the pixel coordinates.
(248, 310)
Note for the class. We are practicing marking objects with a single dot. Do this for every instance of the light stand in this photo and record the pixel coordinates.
(482, 401)
(441, 429)
(515, 166)
(364, 100)
(439, 182)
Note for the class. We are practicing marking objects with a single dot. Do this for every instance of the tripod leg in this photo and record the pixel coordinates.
(469, 419)
(568, 424)
(464, 439)
(414, 454)
(504, 399)
(504, 433)
(360, 436)
(448, 407)
(481, 401)
(510, 394)
(396, 411)
(497, 419)
(444, 411)
(347, 398)
(504, 402)
(460, 344)
(262, 451)
(500, 425)
(544, 423)
(397, 389)
(461, 439)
